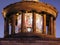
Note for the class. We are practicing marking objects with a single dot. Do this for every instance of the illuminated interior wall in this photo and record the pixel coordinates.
(29, 23)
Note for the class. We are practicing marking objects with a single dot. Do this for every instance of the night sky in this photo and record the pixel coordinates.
(55, 3)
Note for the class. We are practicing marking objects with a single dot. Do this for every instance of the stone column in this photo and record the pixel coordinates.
(23, 22)
(13, 22)
(54, 27)
(44, 24)
(50, 31)
(6, 27)
(34, 22)
(51, 20)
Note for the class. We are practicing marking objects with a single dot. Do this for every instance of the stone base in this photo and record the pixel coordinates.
(29, 41)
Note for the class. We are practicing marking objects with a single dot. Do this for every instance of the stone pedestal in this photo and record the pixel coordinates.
(17, 41)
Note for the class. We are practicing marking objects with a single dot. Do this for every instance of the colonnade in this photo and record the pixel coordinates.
(51, 26)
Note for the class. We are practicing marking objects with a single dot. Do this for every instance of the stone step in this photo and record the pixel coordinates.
(29, 43)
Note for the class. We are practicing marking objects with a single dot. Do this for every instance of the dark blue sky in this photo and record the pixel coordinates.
(55, 3)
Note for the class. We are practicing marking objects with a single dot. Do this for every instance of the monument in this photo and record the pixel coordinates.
(30, 21)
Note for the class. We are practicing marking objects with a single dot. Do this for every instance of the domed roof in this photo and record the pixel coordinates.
(30, 5)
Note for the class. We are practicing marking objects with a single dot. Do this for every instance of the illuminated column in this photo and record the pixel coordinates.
(6, 27)
(54, 28)
(44, 24)
(51, 21)
(23, 22)
(50, 31)
(13, 22)
(34, 22)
